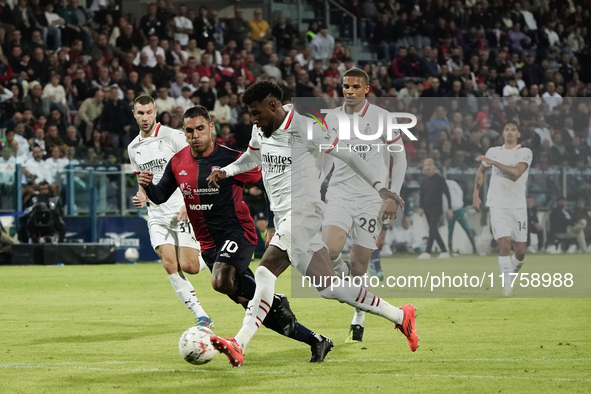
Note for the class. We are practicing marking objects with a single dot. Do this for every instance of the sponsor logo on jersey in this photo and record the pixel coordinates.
(156, 164)
(186, 190)
(183, 172)
(275, 164)
(137, 152)
(200, 207)
(206, 191)
(225, 255)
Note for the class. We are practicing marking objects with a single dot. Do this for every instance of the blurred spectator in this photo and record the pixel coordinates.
(72, 138)
(35, 168)
(581, 214)
(88, 113)
(34, 101)
(243, 131)
(564, 227)
(226, 137)
(184, 101)
(55, 164)
(206, 96)
(271, 68)
(203, 27)
(116, 119)
(184, 26)
(285, 35)
(164, 103)
(8, 144)
(221, 111)
(322, 45)
(534, 226)
(259, 28)
(458, 214)
(52, 138)
(151, 50)
(150, 24)
(237, 28)
(401, 239)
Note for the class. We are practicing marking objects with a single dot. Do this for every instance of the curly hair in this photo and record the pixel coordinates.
(259, 91)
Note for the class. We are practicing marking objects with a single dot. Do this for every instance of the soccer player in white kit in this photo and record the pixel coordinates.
(170, 232)
(292, 167)
(506, 199)
(353, 206)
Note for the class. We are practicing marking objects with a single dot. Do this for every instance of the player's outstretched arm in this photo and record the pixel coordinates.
(249, 160)
(398, 174)
(158, 193)
(358, 165)
(513, 172)
(478, 182)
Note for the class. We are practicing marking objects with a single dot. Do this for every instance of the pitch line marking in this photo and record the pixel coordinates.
(209, 371)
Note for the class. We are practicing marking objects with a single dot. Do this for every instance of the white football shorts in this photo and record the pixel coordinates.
(509, 223)
(298, 233)
(360, 219)
(172, 232)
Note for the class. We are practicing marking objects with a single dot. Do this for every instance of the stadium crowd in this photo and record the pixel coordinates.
(69, 74)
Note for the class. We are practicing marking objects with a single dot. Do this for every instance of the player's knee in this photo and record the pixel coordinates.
(223, 285)
(334, 253)
(169, 265)
(191, 266)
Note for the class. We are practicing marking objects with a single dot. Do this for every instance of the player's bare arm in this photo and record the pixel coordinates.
(476, 202)
(513, 172)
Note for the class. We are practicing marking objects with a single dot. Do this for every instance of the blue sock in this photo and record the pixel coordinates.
(375, 260)
(247, 285)
(303, 334)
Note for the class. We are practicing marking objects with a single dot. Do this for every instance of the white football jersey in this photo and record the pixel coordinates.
(153, 154)
(290, 161)
(344, 181)
(504, 192)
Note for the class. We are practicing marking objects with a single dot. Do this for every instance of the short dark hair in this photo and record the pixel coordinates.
(357, 72)
(513, 123)
(197, 111)
(561, 198)
(259, 91)
(144, 99)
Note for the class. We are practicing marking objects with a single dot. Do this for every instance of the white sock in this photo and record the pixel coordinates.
(360, 298)
(185, 291)
(258, 307)
(358, 318)
(516, 264)
(202, 265)
(339, 265)
(505, 266)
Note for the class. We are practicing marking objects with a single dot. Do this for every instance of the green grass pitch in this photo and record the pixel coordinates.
(115, 329)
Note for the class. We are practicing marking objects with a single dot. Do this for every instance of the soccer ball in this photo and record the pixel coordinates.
(132, 255)
(195, 345)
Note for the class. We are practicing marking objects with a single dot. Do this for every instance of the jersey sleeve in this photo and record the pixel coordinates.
(179, 141)
(251, 159)
(524, 155)
(160, 193)
(251, 176)
(489, 156)
(134, 167)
